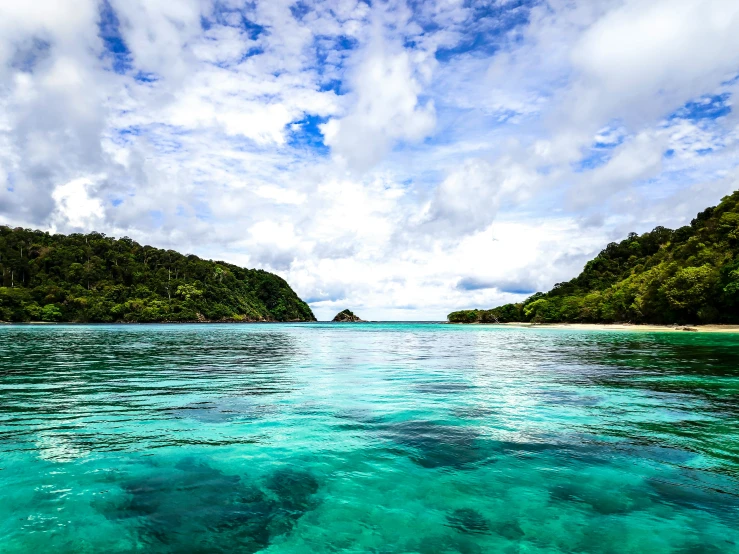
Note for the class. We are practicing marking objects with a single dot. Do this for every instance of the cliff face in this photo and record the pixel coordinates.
(687, 275)
(100, 279)
(346, 316)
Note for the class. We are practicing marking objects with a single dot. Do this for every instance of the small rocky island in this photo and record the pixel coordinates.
(347, 316)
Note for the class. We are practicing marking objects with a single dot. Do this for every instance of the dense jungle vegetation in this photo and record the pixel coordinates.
(94, 278)
(689, 275)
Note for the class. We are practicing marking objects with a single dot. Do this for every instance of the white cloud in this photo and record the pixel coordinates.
(652, 56)
(385, 105)
(637, 159)
(280, 195)
(469, 198)
(401, 159)
(158, 33)
(75, 207)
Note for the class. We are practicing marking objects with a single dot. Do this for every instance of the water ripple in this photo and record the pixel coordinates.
(367, 438)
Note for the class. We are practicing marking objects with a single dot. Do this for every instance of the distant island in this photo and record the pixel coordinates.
(347, 316)
(688, 275)
(94, 278)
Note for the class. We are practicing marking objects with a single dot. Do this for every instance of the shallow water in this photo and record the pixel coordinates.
(377, 438)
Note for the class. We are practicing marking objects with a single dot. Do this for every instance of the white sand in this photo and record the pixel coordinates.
(631, 327)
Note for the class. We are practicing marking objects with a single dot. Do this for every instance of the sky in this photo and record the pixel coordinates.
(401, 158)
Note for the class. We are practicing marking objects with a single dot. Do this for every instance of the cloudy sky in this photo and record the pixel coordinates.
(402, 158)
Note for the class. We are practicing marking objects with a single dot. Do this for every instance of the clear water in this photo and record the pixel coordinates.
(367, 438)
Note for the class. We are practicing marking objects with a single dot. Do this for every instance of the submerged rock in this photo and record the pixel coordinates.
(435, 445)
(471, 522)
(194, 507)
(467, 520)
(347, 316)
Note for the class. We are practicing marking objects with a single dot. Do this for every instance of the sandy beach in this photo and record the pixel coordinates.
(631, 327)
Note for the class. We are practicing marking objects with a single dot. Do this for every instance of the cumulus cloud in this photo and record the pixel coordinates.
(648, 57)
(520, 285)
(386, 107)
(637, 159)
(75, 206)
(399, 158)
(469, 198)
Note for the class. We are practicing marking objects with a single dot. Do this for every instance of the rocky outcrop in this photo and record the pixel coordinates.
(347, 316)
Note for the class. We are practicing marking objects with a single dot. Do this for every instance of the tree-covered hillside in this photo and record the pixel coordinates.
(665, 276)
(100, 279)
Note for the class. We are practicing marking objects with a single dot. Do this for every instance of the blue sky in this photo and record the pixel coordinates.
(399, 158)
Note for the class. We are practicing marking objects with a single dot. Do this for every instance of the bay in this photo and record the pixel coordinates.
(372, 437)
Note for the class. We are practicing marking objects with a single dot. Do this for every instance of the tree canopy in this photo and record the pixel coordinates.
(94, 278)
(683, 276)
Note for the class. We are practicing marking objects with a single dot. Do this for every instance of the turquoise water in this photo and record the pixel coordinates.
(376, 438)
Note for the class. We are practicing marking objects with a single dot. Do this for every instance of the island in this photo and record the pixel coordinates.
(98, 279)
(683, 276)
(347, 316)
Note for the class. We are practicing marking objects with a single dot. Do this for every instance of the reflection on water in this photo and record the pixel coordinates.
(367, 438)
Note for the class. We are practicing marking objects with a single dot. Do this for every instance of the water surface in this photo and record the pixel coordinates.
(380, 438)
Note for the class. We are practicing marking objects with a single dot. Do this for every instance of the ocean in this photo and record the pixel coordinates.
(368, 437)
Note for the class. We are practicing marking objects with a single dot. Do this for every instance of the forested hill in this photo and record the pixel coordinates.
(100, 279)
(689, 275)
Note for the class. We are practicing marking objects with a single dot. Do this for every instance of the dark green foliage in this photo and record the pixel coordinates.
(665, 276)
(100, 279)
(466, 316)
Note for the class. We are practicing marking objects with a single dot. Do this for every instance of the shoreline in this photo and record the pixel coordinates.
(633, 327)
(197, 321)
(638, 327)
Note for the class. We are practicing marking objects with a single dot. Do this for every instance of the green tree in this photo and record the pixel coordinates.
(663, 276)
(188, 292)
(691, 287)
(97, 278)
(51, 312)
